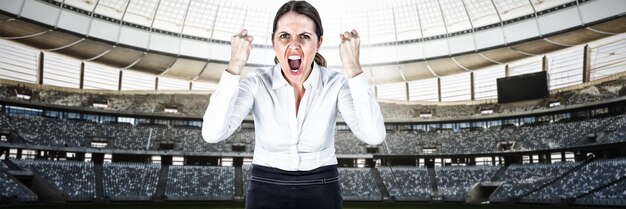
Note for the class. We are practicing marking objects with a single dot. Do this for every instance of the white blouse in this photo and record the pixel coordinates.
(283, 139)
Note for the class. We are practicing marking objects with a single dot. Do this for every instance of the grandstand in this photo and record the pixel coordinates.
(200, 183)
(130, 181)
(102, 102)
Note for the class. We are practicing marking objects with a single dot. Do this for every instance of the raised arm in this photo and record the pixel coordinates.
(360, 110)
(232, 100)
(356, 102)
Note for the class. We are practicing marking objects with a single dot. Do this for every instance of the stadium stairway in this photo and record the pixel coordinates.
(597, 135)
(11, 171)
(97, 168)
(602, 136)
(433, 185)
(162, 184)
(238, 183)
(46, 192)
(602, 187)
(381, 186)
(12, 175)
(499, 173)
(11, 165)
(99, 132)
(575, 168)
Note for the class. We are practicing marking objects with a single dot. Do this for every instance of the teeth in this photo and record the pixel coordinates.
(294, 57)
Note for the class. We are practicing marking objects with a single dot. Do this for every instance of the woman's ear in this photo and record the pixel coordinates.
(275, 58)
(319, 43)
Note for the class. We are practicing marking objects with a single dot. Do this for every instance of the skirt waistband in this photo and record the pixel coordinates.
(295, 183)
(321, 175)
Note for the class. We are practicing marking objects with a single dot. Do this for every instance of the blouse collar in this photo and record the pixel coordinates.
(279, 81)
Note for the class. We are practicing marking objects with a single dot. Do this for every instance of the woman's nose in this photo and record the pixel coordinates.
(294, 44)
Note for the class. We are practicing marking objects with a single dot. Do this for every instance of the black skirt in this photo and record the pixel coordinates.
(274, 188)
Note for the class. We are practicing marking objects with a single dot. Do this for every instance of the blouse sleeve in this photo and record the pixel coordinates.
(228, 106)
(360, 110)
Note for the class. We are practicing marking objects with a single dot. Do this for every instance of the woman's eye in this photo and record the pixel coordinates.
(305, 36)
(283, 36)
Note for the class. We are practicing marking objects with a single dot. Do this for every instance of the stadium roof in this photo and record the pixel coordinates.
(403, 40)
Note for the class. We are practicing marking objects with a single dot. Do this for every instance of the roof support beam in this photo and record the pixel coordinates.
(469, 18)
(586, 64)
(445, 26)
(557, 43)
(21, 9)
(152, 24)
(523, 52)
(182, 29)
(536, 18)
(68, 45)
(599, 31)
(459, 64)
(544, 63)
(431, 70)
(119, 30)
(406, 87)
(507, 71)
(489, 59)
(82, 75)
(439, 89)
(101, 54)
(93, 11)
(472, 90)
(119, 81)
(419, 20)
(501, 22)
(40, 68)
(136, 61)
(217, 11)
(201, 71)
(26, 36)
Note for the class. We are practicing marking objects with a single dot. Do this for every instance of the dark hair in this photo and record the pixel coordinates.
(306, 9)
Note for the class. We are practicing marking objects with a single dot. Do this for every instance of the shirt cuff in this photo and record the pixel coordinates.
(229, 82)
(360, 88)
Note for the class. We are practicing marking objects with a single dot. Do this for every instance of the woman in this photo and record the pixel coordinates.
(294, 105)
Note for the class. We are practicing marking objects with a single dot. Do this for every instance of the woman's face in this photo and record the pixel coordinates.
(295, 43)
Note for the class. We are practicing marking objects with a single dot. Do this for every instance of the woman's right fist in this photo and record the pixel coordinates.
(240, 47)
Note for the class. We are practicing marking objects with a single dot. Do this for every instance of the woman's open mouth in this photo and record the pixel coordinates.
(294, 64)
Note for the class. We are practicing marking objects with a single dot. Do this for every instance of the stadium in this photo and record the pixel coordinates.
(487, 103)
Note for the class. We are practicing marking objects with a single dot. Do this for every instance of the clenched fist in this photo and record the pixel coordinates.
(240, 47)
(349, 52)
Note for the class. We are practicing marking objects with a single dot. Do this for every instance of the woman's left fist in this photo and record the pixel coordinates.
(349, 52)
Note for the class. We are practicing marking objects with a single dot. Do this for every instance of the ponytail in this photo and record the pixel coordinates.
(319, 59)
